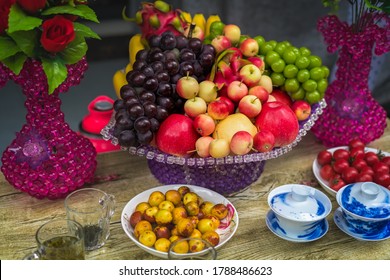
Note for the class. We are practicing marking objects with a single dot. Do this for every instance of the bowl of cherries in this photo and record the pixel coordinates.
(340, 166)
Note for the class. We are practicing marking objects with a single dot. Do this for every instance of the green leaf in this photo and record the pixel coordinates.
(56, 72)
(18, 20)
(85, 31)
(8, 47)
(15, 63)
(75, 50)
(26, 41)
(88, 13)
(82, 11)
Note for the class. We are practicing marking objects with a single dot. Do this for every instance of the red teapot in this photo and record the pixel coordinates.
(100, 112)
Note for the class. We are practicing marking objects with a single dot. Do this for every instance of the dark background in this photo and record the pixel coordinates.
(279, 20)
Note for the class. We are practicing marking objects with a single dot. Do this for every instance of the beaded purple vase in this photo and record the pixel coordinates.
(351, 110)
(47, 159)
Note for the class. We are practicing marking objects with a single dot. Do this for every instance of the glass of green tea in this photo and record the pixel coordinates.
(59, 239)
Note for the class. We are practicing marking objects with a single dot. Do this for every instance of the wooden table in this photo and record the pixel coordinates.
(21, 214)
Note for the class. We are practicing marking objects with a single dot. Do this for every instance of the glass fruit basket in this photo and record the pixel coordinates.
(227, 175)
(181, 69)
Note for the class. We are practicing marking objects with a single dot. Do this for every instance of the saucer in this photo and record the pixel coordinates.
(320, 230)
(341, 223)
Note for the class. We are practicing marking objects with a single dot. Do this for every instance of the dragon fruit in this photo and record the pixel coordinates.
(158, 17)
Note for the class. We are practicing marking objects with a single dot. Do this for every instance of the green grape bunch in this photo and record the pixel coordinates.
(295, 70)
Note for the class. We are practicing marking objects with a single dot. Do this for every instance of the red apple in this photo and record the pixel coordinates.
(250, 74)
(241, 143)
(280, 120)
(302, 109)
(176, 135)
(203, 146)
(250, 106)
(237, 90)
(282, 96)
(260, 92)
(218, 109)
(256, 60)
(249, 47)
(263, 141)
(230, 103)
(204, 124)
(232, 32)
(195, 106)
(221, 43)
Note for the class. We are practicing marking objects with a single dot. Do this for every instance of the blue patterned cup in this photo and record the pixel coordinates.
(365, 207)
(300, 211)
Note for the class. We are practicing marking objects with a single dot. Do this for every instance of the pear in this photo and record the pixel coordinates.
(233, 123)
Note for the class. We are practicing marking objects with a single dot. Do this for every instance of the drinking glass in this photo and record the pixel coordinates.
(93, 209)
(59, 239)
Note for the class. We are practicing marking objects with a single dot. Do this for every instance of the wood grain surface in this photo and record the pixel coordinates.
(21, 214)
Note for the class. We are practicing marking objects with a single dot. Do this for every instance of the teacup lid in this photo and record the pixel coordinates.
(299, 202)
(365, 199)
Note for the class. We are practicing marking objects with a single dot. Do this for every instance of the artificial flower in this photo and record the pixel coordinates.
(32, 6)
(5, 6)
(42, 31)
(57, 33)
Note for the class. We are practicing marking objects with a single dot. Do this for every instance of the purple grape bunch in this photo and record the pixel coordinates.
(150, 95)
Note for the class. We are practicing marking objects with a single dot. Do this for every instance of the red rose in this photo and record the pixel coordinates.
(57, 33)
(31, 6)
(5, 6)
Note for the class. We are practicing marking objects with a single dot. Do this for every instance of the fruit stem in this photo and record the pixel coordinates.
(125, 17)
(192, 27)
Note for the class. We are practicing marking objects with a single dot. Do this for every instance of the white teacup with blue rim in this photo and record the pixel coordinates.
(365, 211)
(298, 213)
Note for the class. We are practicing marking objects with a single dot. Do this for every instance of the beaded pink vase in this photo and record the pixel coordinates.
(47, 159)
(351, 110)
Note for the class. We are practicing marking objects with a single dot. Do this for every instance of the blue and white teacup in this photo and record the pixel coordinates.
(300, 211)
(365, 207)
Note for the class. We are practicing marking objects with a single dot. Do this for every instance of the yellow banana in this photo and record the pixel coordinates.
(209, 21)
(200, 21)
(129, 67)
(135, 45)
(186, 17)
(119, 80)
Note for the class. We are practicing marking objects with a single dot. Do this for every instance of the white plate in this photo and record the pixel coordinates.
(225, 233)
(317, 167)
